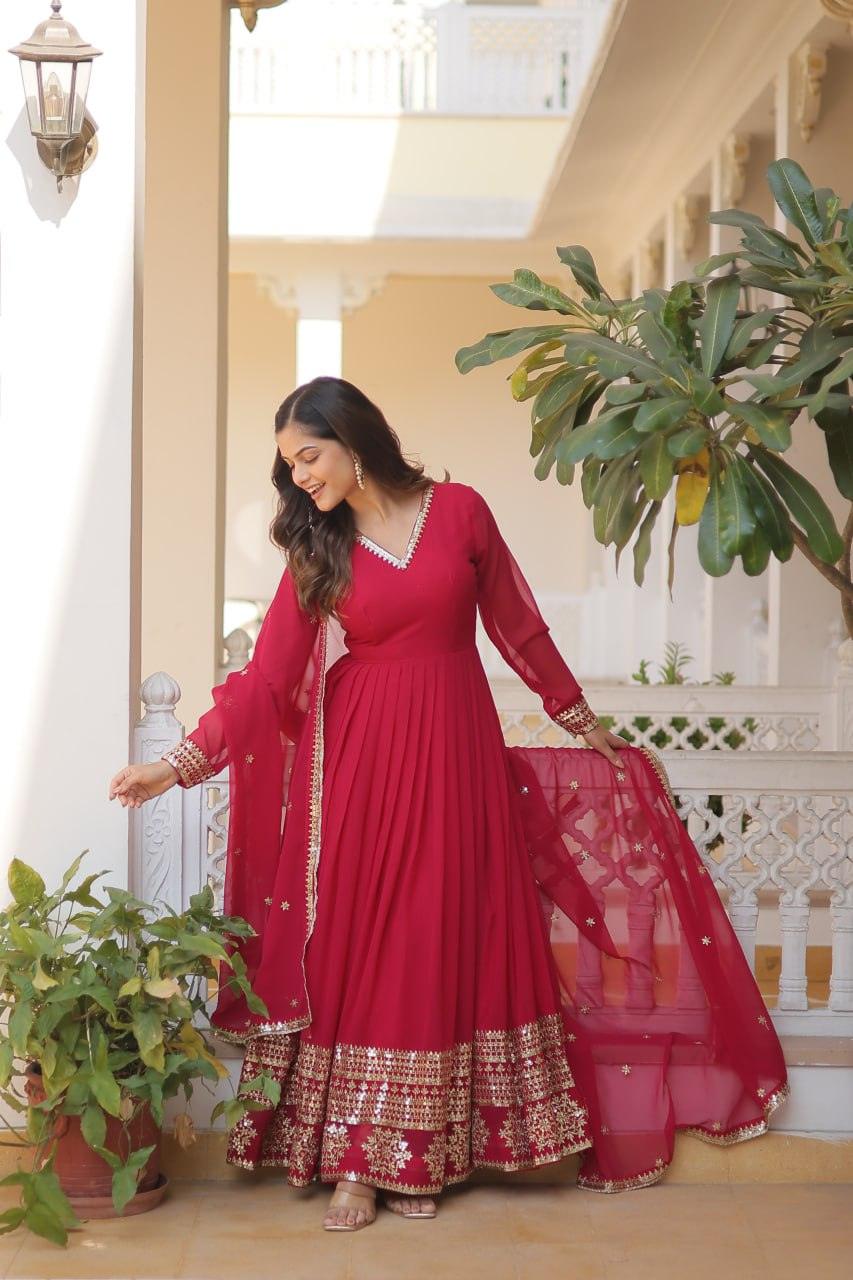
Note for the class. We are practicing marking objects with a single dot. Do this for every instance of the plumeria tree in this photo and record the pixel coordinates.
(688, 387)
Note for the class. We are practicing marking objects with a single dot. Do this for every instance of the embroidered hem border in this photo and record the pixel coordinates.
(741, 1134)
(744, 1131)
(413, 1188)
(445, 1108)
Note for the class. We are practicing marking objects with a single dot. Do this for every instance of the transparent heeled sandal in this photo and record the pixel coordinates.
(352, 1198)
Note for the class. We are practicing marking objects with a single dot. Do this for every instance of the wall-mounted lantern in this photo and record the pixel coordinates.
(55, 66)
(249, 9)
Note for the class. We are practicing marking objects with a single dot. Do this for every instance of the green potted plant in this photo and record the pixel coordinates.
(101, 996)
(688, 387)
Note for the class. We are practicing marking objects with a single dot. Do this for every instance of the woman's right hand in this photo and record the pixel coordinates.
(136, 783)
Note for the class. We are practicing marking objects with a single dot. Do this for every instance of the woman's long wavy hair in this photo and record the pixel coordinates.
(319, 556)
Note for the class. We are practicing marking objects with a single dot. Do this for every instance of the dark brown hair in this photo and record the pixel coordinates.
(319, 557)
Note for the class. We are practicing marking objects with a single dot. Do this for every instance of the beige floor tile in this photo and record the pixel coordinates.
(698, 1264)
(408, 1257)
(299, 1257)
(550, 1215)
(821, 1259)
(89, 1259)
(549, 1261)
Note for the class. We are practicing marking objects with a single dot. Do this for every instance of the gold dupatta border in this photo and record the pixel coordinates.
(315, 804)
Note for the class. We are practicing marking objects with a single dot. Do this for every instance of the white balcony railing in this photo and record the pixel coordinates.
(773, 826)
(376, 57)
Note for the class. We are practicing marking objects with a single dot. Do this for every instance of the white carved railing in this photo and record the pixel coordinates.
(774, 827)
(375, 57)
(695, 717)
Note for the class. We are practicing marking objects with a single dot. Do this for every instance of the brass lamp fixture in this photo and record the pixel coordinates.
(249, 9)
(55, 66)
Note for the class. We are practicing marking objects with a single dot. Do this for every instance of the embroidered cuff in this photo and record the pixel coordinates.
(191, 763)
(578, 718)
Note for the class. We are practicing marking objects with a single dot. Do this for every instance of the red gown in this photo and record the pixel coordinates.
(445, 983)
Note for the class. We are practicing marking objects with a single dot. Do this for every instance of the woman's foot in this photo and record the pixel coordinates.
(410, 1206)
(352, 1206)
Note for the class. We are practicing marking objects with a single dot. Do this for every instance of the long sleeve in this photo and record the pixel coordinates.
(515, 626)
(281, 651)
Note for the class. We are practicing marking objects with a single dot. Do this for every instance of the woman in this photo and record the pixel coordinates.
(494, 938)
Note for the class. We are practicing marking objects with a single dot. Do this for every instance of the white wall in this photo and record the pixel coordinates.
(66, 425)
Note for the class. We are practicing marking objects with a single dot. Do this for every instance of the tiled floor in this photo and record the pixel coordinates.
(206, 1230)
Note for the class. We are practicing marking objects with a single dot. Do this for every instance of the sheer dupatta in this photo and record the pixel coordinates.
(667, 1025)
(266, 725)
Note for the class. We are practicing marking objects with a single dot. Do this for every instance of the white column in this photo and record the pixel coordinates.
(802, 605)
(319, 343)
(67, 420)
(735, 604)
(684, 613)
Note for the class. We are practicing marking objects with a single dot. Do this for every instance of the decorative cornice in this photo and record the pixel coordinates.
(735, 159)
(356, 291)
(280, 292)
(811, 67)
(840, 9)
(249, 9)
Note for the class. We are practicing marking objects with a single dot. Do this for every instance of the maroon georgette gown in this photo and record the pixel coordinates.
(468, 954)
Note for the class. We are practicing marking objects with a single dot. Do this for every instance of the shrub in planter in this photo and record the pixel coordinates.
(99, 997)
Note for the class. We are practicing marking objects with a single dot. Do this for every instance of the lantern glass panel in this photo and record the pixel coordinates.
(56, 78)
(29, 75)
(80, 88)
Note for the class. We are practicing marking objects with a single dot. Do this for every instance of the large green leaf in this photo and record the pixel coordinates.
(93, 1125)
(686, 443)
(737, 519)
(741, 218)
(563, 389)
(643, 543)
(713, 556)
(840, 373)
(796, 372)
(772, 425)
(625, 392)
(656, 467)
(657, 415)
(755, 554)
(805, 505)
(839, 448)
(716, 260)
(655, 338)
(580, 262)
(527, 290)
(745, 328)
(771, 248)
(25, 883)
(795, 196)
(506, 342)
(586, 347)
(608, 436)
(717, 322)
(769, 511)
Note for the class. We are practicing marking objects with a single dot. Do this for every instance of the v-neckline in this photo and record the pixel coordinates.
(414, 537)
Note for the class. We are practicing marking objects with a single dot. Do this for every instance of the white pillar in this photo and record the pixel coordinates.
(319, 344)
(735, 605)
(67, 418)
(802, 605)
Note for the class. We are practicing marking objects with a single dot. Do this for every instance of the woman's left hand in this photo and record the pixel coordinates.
(605, 742)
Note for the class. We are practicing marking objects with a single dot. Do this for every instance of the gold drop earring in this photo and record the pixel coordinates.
(359, 473)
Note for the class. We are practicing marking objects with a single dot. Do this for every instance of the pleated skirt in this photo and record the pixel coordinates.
(437, 1042)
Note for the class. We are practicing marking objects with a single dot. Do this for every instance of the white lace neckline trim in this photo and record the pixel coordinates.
(414, 537)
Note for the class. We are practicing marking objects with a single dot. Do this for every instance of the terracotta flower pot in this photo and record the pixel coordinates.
(84, 1176)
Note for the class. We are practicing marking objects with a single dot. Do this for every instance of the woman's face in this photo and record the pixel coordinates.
(323, 468)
